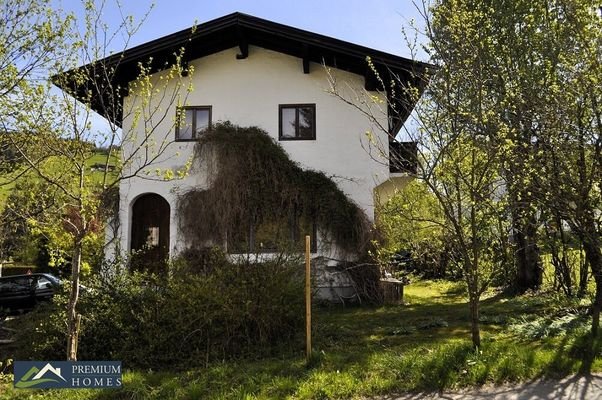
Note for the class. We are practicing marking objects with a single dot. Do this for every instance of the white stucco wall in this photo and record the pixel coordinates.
(247, 92)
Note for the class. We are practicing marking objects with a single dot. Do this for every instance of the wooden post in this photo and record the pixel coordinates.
(307, 298)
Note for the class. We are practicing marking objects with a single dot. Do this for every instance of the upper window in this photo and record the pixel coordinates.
(192, 121)
(297, 122)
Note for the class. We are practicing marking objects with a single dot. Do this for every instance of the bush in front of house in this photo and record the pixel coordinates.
(247, 309)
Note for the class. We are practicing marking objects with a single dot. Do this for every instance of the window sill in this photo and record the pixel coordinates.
(285, 139)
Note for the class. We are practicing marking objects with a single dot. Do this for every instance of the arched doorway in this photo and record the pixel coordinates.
(150, 233)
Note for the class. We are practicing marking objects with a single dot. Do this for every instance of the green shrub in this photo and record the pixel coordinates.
(232, 310)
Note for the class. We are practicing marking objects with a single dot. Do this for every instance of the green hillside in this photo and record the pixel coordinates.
(98, 159)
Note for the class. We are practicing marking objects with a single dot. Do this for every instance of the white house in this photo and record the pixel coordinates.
(253, 72)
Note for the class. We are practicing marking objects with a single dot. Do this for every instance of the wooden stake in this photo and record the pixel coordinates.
(307, 298)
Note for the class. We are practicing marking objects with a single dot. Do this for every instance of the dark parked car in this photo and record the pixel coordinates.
(23, 292)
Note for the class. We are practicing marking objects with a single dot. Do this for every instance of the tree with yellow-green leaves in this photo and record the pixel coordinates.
(517, 87)
(411, 222)
(570, 138)
(523, 78)
(30, 33)
(508, 135)
(49, 137)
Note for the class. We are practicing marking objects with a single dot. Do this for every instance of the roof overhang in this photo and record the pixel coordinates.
(114, 73)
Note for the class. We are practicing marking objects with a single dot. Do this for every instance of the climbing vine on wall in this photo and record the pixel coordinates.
(253, 181)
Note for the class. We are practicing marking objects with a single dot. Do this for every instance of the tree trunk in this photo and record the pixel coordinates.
(528, 265)
(566, 269)
(583, 274)
(596, 307)
(71, 310)
(591, 244)
(474, 320)
(524, 219)
(556, 241)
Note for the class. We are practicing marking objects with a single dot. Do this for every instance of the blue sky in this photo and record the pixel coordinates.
(375, 23)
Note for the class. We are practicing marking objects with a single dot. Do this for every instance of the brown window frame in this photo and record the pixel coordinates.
(297, 107)
(179, 117)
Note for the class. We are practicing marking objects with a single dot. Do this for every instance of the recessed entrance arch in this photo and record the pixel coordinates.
(150, 233)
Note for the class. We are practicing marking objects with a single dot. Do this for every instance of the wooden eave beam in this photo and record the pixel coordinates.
(243, 43)
(305, 59)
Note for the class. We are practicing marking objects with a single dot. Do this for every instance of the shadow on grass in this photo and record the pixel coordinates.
(573, 354)
(363, 351)
(586, 348)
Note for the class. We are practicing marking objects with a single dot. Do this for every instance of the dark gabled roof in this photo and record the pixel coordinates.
(240, 30)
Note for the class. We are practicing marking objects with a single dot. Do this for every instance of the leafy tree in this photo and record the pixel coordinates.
(413, 221)
(57, 146)
(30, 33)
(543, 69)
(26, 205)
(458, 161)
(572, 141)
(461, 169)
(537, 65)
(513, 80)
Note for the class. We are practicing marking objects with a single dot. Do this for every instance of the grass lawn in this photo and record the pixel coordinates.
(423, 345)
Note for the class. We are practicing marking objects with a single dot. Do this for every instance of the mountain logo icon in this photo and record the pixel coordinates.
(35, 376)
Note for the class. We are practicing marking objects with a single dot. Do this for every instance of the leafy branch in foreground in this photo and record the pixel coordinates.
(56, 144)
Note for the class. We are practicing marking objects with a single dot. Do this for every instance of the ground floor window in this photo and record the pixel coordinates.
(273, 235)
